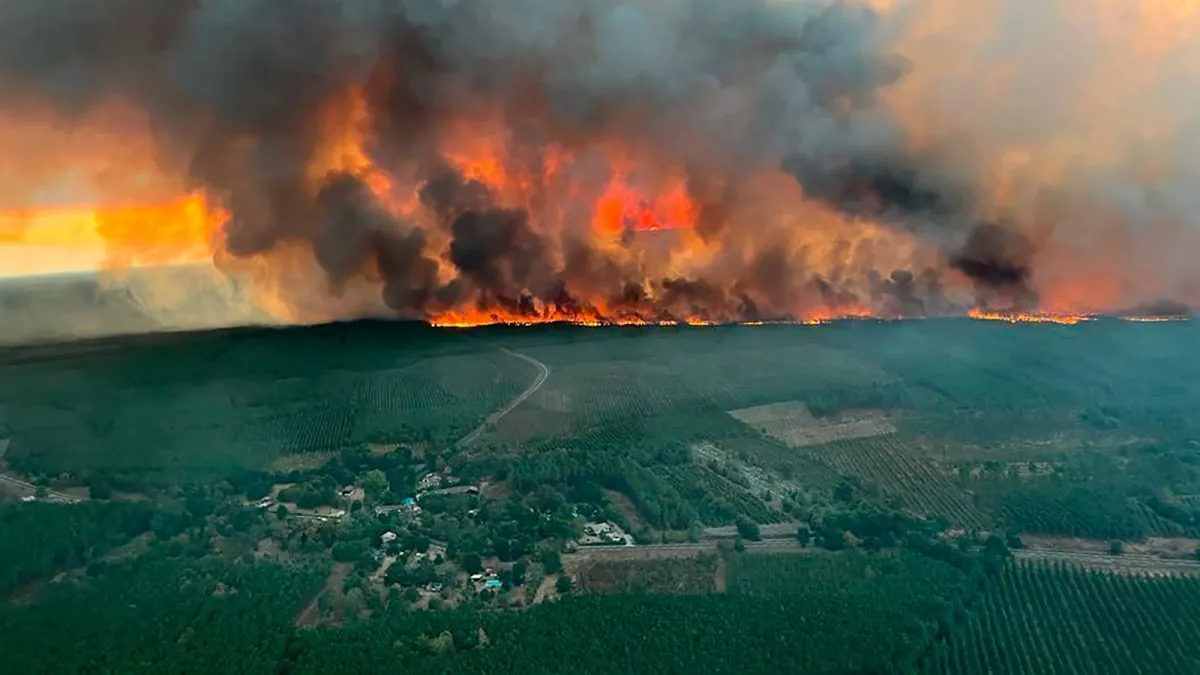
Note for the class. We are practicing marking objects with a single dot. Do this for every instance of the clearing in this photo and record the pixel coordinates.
(793, 424)
(759, 479)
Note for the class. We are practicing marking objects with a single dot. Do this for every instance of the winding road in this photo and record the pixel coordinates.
(494, 418)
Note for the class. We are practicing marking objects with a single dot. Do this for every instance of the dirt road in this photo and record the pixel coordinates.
(337, 578)
(682, 550)
(494, 418)
(22, 488)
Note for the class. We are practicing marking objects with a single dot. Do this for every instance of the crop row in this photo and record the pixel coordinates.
(904, 475)
(715, 498)
(1042, 618)
(1076, 512)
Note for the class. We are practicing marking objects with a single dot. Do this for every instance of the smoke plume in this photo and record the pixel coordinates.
(652, 159)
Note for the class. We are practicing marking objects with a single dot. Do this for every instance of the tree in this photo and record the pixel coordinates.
(396, 574)
(552, 561)
(739, 545)
(518, 573)
(996, 546)
(844, 492)
(472, 563)
(803, 535)
(100, 488)
(563, 584)
(281, 512)
(1116, 547)
(348, 551)
(748, 529)
(374, 483)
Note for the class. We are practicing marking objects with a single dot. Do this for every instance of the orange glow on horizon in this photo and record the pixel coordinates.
(1029, 317)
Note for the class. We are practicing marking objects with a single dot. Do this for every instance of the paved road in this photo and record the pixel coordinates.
(494, 419)
(25, 487)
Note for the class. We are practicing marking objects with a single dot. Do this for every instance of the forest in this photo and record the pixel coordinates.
(42, 538)
(165, 616)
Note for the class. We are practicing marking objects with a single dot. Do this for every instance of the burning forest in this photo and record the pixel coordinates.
(644, 161)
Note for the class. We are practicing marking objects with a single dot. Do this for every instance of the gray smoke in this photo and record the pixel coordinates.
(725, 88)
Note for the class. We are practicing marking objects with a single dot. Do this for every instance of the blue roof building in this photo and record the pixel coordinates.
(493, 583)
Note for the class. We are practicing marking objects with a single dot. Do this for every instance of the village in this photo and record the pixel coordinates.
(404, 555)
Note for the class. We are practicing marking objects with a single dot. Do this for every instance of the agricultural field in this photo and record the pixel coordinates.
(907, 478)
(792, 424)
(674, 575)
(1046, 618)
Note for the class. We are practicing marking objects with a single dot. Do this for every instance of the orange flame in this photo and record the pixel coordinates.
(1029, 317)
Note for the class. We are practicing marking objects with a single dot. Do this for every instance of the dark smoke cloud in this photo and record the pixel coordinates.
(235, 89)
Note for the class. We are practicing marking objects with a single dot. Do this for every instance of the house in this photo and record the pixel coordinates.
(387, 538)
(493, 583)
(604, 533)
(408, 501)
(429, 482)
